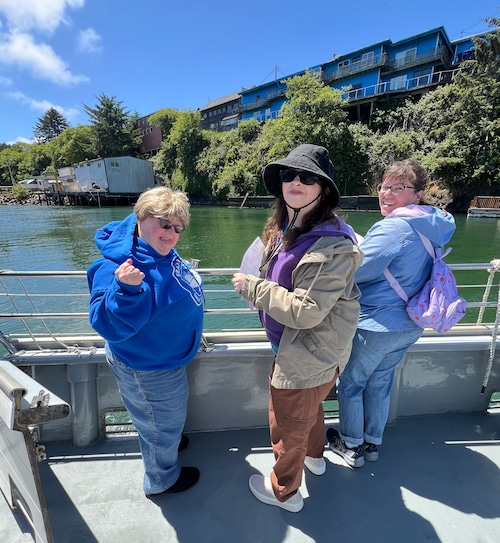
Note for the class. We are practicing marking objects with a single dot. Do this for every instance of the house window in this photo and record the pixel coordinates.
(114, 164)
(344, 64)
(367, 58)
(355, 91)
(398, 83)
(422, 77)
(405, 57)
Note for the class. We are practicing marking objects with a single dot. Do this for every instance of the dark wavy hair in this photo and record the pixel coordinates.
(319, 214)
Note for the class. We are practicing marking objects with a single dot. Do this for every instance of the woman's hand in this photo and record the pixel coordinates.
(128, 274)
(238, 280)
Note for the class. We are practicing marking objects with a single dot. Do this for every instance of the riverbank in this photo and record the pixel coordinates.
(6, 199)
(362, 203)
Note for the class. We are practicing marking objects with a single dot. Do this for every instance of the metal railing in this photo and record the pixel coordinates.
(36, 305)
(385, 87)
(486, 202)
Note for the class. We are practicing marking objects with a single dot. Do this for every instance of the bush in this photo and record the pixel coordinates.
(19, 192)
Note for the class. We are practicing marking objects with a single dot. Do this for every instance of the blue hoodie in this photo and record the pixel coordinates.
(394, 243)
(153, 326)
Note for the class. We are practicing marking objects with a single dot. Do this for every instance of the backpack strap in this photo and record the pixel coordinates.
(435, 254)
(395, 284)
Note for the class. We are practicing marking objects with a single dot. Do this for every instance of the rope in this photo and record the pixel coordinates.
(495, 267)
(486, 294)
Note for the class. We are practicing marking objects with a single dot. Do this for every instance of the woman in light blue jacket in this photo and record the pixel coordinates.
(385, 331)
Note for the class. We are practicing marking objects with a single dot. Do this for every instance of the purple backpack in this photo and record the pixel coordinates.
(438, 304)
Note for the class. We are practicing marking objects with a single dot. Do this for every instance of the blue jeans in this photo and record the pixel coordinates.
(157, 404)
(365, 384)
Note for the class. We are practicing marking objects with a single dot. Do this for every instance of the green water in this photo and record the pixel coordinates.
(61, 238)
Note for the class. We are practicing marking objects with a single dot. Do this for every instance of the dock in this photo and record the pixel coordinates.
(484, 206)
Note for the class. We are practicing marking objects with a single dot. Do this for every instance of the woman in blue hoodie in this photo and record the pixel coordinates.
(385, 331)
(308, 304)
(147, 303)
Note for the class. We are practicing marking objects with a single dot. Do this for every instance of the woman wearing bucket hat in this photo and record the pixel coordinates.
(308, 305)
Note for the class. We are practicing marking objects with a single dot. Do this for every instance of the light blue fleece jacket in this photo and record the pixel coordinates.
(394, 243)
(153, 326)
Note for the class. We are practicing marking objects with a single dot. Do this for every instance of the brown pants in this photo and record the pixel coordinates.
(297, 426)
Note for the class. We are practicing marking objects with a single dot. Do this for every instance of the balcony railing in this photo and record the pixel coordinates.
(356, 67)
(268, 98)
(384, 60)
(385, 87)
(438, 54)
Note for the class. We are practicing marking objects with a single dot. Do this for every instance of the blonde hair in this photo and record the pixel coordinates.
(163, 203)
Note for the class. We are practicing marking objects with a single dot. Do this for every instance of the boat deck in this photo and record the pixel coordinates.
(437, 480)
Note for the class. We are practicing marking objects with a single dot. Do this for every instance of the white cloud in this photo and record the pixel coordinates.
(5, 81)
(45, 15)
(20, 139)
(40, 59)
(88, 41)
(43, 105)
(20, 20)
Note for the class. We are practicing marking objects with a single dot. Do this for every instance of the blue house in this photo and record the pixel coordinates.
(371, 76)
(264, 102)
(380, 72)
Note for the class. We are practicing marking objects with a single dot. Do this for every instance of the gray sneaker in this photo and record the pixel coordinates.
(353, 457)
(370, 452)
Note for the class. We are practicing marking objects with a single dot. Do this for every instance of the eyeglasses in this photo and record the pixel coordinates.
(167, 225)
(396, 189)
(287, 176)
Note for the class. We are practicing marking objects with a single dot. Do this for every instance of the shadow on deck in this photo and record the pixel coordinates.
(437, 480)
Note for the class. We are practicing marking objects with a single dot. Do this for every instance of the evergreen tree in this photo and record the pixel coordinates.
(114, 129)
(49, 126)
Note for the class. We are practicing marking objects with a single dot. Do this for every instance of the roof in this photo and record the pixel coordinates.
(219, 101)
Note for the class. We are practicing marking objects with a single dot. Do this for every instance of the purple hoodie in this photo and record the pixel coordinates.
(284, 263)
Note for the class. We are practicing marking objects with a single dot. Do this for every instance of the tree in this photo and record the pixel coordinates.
(11, 159)
(164, 119)
(455, 130)
(35, 161)
(74, 145)
(179, 154)
(114, 129)
(231, 161)
(49, 126)
(314, 113)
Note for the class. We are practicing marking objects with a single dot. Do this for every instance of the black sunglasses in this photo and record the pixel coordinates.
(287, 176)
(168, 225)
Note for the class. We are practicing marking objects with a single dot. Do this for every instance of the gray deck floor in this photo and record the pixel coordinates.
(437, 480)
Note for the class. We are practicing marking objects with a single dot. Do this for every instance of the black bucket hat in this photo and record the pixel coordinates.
(309, 158)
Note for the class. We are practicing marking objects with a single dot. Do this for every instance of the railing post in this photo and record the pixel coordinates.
(83, 381)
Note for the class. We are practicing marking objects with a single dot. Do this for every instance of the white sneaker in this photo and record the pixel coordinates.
(262, 489)
(315, 465)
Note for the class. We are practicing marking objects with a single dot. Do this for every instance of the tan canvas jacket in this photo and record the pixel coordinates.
(320, 315)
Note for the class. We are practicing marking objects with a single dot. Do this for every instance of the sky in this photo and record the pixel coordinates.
(154, 54)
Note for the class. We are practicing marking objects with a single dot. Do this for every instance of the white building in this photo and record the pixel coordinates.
(119, 175)
(36, 183)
